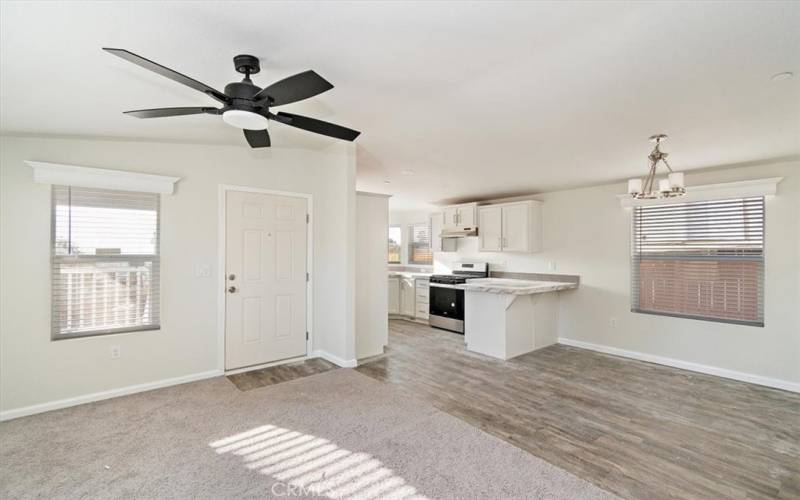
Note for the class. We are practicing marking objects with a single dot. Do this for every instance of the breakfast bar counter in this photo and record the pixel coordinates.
(505, 318)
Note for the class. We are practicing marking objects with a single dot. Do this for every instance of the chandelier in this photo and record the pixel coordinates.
(646, 189)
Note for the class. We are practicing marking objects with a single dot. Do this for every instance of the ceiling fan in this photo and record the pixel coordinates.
(246, 105)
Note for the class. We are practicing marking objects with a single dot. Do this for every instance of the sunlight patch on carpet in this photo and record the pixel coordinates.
(306, 465)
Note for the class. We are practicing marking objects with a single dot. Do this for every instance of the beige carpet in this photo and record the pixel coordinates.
(337, 434)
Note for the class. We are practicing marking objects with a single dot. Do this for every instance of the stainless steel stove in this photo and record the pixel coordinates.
(446, 303)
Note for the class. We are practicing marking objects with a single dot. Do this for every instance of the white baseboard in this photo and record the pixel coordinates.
(686, 365)
(112, 393)
(336, 360)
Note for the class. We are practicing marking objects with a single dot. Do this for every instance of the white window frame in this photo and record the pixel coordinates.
(55, 330)
(411, 242)
(672, 251)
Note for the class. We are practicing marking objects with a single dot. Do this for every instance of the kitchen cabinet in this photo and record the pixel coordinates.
(437, 221)
(460, 216)
(421, 299)
(450, 215)
(510, 227)
(516, 227)
(491, 234)
(394, 295)
(407, 297)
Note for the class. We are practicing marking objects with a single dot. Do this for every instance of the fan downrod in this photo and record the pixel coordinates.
(246, 64)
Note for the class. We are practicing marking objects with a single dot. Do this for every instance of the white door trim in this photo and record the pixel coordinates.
(223, 189)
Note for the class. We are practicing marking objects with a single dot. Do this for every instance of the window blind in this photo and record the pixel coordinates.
(702, 260)
(419, 249)
(105, 261)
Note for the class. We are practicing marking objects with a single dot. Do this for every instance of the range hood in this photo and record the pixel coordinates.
(458, 232)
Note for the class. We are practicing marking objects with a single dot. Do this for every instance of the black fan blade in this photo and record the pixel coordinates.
(257, 138)
(169, 73)
(162, 112)
(295, 88)
(317, 126)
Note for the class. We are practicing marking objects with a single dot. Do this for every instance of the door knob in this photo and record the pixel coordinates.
(232, 289)
(231, 277)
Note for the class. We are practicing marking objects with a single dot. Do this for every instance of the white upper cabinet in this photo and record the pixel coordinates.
(450, 215)
(516, 227)
(460, 216)
(436, 231)
(490, 233)
(467, 216)
(510, 227)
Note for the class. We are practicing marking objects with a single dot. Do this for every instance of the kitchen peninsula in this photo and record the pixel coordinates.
(505, 318)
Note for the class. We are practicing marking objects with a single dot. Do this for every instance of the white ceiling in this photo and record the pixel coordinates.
(477, 99)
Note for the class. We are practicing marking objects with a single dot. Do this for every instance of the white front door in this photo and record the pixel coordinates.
(265, 278)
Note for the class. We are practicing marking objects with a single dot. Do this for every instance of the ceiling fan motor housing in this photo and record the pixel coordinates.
(246, 64)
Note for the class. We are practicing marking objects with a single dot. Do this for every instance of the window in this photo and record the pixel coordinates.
(702, 260)
(105, 262)
(419, 246)
(395, 240)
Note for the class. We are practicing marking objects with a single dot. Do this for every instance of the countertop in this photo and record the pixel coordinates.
(407, 274)
(514, 286)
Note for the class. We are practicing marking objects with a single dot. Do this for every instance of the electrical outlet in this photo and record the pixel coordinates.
(551, 265)
(116, 352)
(612, 322)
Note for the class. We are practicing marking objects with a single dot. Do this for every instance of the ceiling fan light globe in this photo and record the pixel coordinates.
(245, 119)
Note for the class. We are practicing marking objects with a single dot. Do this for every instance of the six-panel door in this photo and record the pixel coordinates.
(265, 309)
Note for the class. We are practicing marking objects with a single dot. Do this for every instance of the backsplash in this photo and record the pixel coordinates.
(561, 278)
(410, 269)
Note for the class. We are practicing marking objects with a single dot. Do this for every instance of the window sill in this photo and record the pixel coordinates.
(103, 333)
(759, 324)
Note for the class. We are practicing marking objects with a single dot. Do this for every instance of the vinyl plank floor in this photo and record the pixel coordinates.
(637, 429)
(281, 373)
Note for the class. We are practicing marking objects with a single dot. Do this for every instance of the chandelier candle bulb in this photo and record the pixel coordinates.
(676, 180)
(634, 186)
(663, 185)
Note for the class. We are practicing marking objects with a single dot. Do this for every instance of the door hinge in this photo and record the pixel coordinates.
(308, 218)
(308, 277)
(306, 335)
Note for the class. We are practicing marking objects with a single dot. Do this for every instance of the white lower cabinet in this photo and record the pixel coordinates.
(421, 299)
(407, 293)
(394, 295)
(408, 297)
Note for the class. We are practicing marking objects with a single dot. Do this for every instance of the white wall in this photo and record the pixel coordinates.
(35, 370)
(372, 300)
(587, 233)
